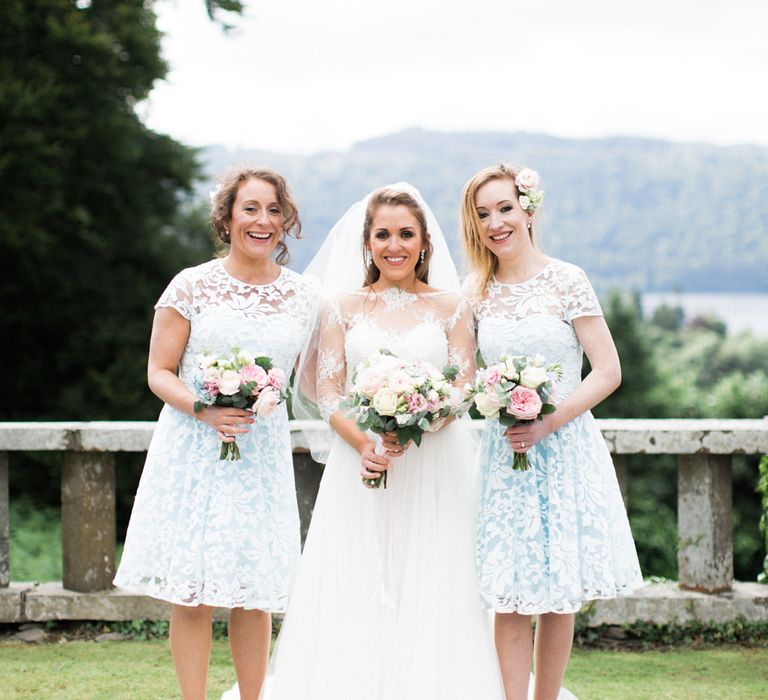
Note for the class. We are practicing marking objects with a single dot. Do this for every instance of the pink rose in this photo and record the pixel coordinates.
(370, 381)
(525, 403)
(266, 403)
(276, 378)
(254, 373)
(527, 180)
(417, 403)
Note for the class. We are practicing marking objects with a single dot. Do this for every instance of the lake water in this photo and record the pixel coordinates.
(741, 312)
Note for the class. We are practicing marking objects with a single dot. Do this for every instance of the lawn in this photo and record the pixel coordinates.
(139, 670)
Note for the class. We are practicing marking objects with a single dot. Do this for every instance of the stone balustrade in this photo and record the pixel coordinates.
(704, 449)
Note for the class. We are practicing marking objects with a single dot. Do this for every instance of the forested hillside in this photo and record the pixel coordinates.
(637, 213)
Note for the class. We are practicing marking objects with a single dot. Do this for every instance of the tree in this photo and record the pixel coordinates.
(90, 202)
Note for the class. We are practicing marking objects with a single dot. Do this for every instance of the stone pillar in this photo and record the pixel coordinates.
(704, 524)
(620, 463)
(4, 529)
(88, 520)
(307, 473)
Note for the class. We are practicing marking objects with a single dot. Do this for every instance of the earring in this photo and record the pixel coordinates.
(421, 257)
(529, 224)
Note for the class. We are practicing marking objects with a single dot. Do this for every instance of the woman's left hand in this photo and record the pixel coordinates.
(523, 436)
(392, 444)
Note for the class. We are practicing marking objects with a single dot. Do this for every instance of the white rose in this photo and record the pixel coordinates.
(402, 418)
(385, 402)
(533, 377)
(488, 405)
(266, 403)
(527, 179)
(525, 201)
(206, 360)
(230, 382)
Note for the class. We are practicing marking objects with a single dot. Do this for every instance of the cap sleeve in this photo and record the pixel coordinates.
(581, 299)
(178, 295)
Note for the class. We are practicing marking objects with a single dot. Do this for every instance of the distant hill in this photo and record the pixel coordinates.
(635, 213)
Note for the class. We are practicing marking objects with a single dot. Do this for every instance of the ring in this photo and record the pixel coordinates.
(522, 444)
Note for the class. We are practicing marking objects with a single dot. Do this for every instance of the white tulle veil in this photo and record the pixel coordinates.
(338, 267)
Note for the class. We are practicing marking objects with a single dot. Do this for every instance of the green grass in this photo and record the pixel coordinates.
(729, 673)
(139, 670)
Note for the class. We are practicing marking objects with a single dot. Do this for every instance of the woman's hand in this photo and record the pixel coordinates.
(523, 436)
(227, 422)
(372, 464)
(392, 444)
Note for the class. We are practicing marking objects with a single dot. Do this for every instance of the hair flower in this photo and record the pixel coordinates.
(527, 183)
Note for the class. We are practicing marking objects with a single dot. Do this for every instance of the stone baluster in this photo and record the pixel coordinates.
(704, 522)
(88, 520)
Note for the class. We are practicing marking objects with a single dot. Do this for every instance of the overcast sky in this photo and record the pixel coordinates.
(303, 75)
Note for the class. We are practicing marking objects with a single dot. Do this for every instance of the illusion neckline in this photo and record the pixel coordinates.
(220, 261)
(527, 281)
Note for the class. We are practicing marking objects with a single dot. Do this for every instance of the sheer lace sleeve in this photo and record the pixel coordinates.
(331, 364)
(580, 298)
(178, 295)
(462, 345)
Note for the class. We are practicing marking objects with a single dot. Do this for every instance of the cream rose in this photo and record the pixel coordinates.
(489, 405)
(533, 377)
(385, 402)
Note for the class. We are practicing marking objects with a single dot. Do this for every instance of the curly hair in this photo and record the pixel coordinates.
(224, 197)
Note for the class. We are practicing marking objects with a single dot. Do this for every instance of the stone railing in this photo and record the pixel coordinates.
(704, 449)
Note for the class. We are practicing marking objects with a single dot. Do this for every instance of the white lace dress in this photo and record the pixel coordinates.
(554, 536)
(212, 532)
(385, 604)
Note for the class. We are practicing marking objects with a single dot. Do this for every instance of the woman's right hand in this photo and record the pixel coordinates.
(227, 422)
(372, 464)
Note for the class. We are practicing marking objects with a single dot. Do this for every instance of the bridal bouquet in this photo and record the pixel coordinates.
(240, 380)
(393, 395)
(517, 389)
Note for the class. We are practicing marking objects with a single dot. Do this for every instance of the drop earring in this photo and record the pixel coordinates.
(421, 257)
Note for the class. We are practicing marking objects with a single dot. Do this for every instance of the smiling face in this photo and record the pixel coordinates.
(395, 243)
(256, 223)
(503, 223)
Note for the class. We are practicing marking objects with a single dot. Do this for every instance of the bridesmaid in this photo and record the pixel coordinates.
(207, 533)
(556, 535)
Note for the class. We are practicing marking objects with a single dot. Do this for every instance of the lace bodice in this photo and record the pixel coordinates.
(270, 319)
(536, 317)
(433, 326)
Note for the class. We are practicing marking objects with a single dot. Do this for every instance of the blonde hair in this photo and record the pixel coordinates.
(223, 199)
(393, 197)
(482, 262)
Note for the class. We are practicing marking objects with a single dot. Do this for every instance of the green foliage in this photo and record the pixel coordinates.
(695, 633)
(90, 208)
(762, 489)
(35, 541)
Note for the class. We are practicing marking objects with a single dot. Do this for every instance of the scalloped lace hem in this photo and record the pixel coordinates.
(563, 607)
(195, 595)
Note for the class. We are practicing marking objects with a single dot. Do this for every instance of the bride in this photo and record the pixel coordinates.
(385, 604)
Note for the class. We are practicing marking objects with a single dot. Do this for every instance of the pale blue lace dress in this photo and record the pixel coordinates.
(212, 532)
(554, 536)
